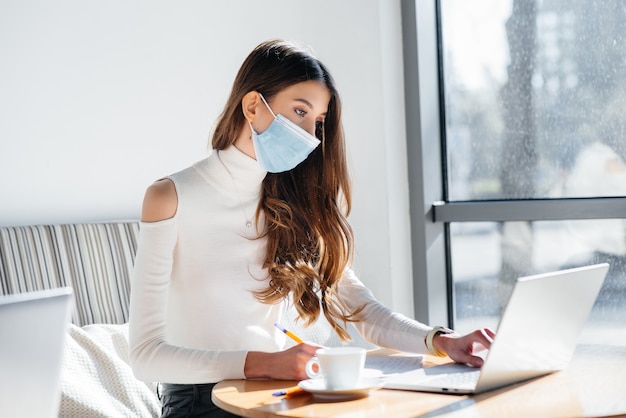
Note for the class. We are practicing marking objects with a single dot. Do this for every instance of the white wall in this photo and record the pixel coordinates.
(100, 98)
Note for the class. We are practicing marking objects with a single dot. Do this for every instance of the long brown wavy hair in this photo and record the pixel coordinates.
(309, 241)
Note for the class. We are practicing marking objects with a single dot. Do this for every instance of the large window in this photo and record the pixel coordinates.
(533, 148)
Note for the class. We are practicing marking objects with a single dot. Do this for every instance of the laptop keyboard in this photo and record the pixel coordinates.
(463, 379)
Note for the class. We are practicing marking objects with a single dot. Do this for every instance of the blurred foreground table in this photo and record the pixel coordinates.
(594, 385)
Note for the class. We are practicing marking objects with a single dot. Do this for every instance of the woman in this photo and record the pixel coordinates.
(262, 220)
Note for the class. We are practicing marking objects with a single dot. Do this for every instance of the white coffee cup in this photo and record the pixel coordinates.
(340, 367)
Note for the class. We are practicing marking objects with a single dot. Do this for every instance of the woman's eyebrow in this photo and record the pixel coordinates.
(305, 101)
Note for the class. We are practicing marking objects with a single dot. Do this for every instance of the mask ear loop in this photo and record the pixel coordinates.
(268, 106)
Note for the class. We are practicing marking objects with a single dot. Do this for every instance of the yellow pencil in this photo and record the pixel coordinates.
(289, 333)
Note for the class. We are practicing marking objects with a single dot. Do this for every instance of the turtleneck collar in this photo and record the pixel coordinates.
(245, 170)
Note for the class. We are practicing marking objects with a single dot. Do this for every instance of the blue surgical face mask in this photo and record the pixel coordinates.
(283, 145)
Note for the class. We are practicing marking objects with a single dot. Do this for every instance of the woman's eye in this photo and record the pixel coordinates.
(300, 112)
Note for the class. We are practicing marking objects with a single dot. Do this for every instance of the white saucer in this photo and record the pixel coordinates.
(318, 388)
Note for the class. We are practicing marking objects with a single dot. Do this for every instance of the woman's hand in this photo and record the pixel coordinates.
(462, 348)
(282, 365)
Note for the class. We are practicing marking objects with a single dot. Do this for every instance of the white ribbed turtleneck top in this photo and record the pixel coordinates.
(193, 317)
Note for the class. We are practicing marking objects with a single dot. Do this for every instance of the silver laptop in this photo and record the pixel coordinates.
(32, 333)
(537, 335)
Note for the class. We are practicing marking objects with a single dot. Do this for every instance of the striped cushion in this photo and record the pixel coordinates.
(96, 260)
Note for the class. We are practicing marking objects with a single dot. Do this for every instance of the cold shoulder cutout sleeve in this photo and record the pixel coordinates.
(160, 201)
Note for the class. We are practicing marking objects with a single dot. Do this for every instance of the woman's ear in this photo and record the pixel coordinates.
(249, 104)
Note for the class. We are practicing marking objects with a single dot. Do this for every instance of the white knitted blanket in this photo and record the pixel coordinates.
(97, 380)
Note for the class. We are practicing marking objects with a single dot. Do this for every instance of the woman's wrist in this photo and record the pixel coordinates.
(255, 366)
(434, 341)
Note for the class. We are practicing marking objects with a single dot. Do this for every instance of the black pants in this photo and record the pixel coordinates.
(187, 401)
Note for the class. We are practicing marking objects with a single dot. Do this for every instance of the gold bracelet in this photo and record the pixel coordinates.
(431, 335)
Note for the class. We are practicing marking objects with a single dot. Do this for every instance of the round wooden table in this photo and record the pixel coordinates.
(593, 385)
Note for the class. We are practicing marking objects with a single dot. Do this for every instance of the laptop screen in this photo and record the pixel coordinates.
(32, 330)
